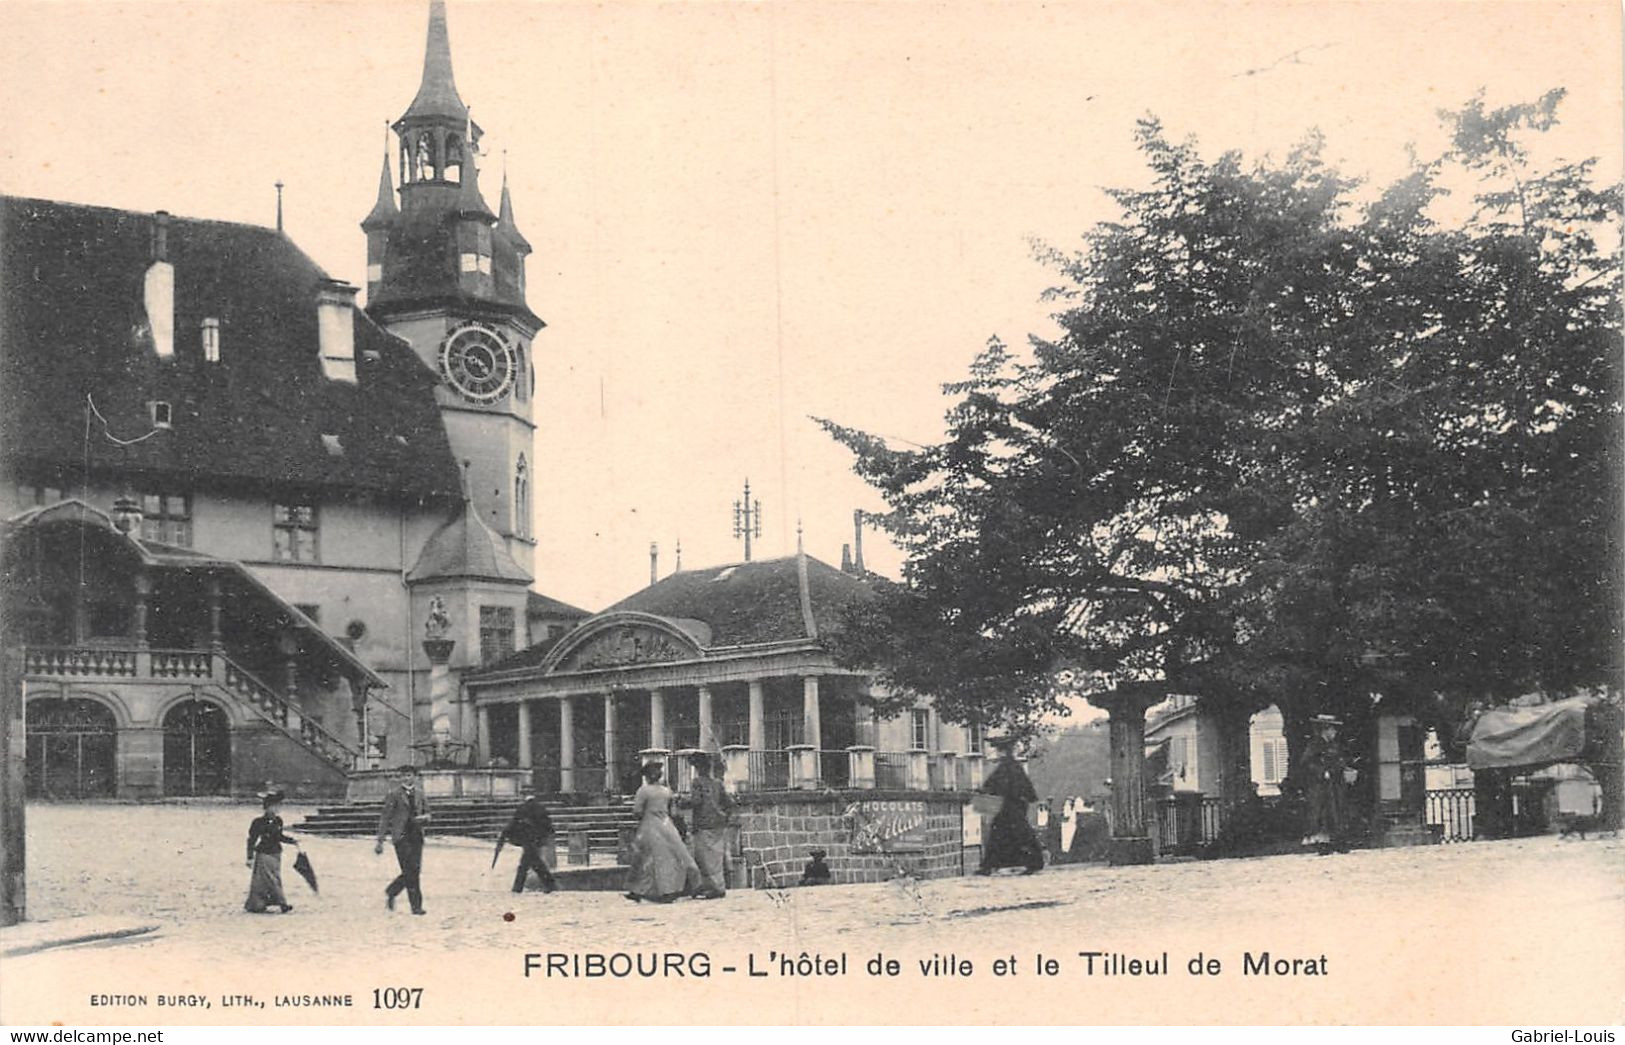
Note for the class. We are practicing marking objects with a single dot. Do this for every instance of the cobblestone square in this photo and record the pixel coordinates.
(1519, 932)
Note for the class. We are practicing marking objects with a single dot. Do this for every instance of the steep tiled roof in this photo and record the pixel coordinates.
(73, 325)
(539, 605)
(529, 657)
(751, 602)
(466, 548)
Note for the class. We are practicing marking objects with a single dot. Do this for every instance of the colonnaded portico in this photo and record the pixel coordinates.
(631, 685)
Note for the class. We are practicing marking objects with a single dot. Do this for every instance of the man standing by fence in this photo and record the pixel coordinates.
(708, 836)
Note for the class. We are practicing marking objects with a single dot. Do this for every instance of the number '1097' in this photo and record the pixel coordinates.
(397, 997)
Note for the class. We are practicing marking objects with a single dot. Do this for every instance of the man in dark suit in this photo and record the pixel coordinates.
(404, 814)
(530, 829)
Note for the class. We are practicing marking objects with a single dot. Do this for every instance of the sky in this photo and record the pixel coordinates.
(749, 215)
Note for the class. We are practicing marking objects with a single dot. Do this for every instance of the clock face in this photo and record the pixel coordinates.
(478, 363)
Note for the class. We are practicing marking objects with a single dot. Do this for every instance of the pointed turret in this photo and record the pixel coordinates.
(470, 202)
(384, 212)
(505, 222)
(437, 93)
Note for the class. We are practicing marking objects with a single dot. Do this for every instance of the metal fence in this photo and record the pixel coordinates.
(1451, 809)
(768, 771)
(834, 769)
(891, 770)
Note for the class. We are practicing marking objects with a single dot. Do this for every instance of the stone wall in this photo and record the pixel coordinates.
(778, 830)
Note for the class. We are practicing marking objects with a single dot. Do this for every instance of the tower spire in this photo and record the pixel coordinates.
(384, 211)
(505, 220)
(437, 93)
(470, 202)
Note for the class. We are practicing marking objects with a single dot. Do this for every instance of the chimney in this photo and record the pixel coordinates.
(846, 558)
(160, 236)
(335, 329)
(158, 289)
(857, 541)
(654, 562)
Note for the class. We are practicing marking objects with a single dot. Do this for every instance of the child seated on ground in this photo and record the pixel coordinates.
(817, 871)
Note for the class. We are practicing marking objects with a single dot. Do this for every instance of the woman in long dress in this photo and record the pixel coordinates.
(1326, 788)
(265, 840)
(662, 867)
(1010, 840)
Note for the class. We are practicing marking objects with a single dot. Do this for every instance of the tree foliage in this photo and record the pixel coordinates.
(1296, 442)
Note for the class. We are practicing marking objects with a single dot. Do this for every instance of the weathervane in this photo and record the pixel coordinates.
(747, 519)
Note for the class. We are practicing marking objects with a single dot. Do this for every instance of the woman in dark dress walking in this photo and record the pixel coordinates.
(1010, 841)
(265, 839)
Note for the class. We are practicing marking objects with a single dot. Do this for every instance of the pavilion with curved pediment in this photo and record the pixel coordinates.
(730, 660)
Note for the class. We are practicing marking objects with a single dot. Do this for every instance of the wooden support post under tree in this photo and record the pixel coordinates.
(1126, 706)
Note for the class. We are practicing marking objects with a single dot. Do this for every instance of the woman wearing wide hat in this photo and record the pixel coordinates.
(1326, 788)
(1010, 841)
(265, 839)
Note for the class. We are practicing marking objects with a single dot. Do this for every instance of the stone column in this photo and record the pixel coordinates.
(143, 592)
(811, 732)
(611, 785)
(680, 773)
(567, 743)
(525, 759)
(708, 735)
(736, 767)
(950, 771)
(1126, 706)
(213, 597)
(657, 720)
(439, 653)
(483, 716)
(861, 761)
(803, 766)
(919, 770)
(758, 715)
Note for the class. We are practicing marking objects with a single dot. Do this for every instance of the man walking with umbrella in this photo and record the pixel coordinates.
(530, 829)
(404, 814)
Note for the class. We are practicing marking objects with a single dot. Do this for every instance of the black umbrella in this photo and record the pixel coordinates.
(501, 841)
(301, 864)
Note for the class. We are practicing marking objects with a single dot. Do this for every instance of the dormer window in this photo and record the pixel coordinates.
(162, 415)
(211, 340)
(470, 261)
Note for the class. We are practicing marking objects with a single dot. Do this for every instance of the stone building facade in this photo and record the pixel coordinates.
(360, 464)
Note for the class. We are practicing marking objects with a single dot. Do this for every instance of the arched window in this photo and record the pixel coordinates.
(521, 498)
(521, 387)
(71, 745)
(452, 167)
(197, 749)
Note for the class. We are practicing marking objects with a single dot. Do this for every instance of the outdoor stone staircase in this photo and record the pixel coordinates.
(474, 818)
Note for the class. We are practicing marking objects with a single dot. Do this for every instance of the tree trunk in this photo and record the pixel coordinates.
(1234, 726)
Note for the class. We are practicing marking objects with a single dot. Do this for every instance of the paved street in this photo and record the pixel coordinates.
(1529, 931)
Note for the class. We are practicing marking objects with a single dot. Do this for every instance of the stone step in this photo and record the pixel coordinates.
(472, 818)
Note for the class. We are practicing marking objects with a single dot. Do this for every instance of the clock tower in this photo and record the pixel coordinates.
(448, 275)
